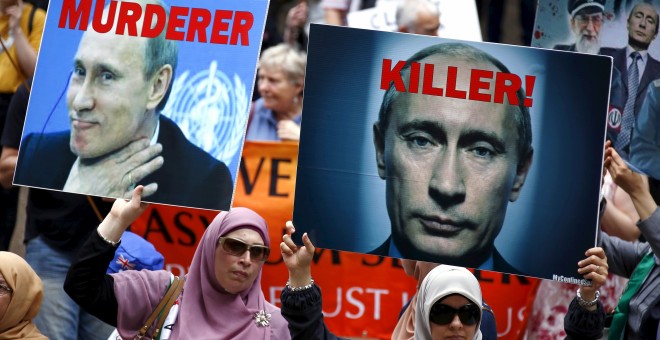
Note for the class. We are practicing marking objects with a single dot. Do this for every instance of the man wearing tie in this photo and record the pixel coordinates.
(638, 69)
(586, 20)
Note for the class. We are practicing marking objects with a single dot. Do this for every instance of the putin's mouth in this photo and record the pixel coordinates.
(640, 34)
(444, 227)
(79, 124)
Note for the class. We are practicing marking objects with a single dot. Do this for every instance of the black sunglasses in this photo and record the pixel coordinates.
(237, 247)
(442, 314)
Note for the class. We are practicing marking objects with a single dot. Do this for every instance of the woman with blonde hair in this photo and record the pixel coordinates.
(277, 114)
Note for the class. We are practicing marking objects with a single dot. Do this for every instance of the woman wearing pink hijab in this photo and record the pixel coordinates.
(221, 297)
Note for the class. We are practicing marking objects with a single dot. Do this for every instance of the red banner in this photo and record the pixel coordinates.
(362, 294)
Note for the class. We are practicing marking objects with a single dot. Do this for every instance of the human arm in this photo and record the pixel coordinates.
(631, 182)
(86, 282)
(122, 214)
(335, 11)
(303, 312)
(298, 260)
(637, 187)
(335, 16)
(650, 228)
(594, 268)
(587, 322)
(8, 159)
(25, 52)
(619, 217)
(11, 135)
(622, 256)
(302, 305)
(580, 324)
(618, 222)
(295, 22)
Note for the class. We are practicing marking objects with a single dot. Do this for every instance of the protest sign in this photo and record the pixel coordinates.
(458, 19)
(435, 158)
(624, 31)
(362, 294)
(113, 105)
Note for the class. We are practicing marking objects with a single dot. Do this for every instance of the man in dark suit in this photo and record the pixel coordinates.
(586, 21)
(642, 30)
(118, 138)
(193, 178)
(451, 166)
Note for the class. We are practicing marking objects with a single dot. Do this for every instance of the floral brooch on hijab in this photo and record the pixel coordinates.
(262, 318)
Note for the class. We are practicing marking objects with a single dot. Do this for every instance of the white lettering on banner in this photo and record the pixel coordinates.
(382, 20)
(377, 293)
(275, 292)
(509, 321)
(338, 309)
(521, 313)
(354, 302)
(355, 298)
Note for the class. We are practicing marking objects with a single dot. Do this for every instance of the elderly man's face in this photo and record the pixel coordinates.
(586, 27)
(451, 168)
(642, 24)
(108, 97)
(427, 24)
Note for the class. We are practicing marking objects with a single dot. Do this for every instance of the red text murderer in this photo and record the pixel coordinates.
(183, 23)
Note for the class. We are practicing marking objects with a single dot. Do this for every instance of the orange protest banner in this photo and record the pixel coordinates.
(362, 294)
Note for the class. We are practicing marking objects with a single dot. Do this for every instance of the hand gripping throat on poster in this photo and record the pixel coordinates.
(122, 77)
(451, 140)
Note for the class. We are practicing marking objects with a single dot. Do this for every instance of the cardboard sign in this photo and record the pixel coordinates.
(458, 19)
(616, 29)
(362, 294)
(446, 166)
(95, 101)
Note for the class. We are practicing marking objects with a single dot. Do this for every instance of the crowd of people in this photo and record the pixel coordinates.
(65, 287)
(221, 296)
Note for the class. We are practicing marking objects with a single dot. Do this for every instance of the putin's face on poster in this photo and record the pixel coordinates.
(451, 167)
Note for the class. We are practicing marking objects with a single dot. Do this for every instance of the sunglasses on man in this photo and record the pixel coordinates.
(442, 314)
(237, 247)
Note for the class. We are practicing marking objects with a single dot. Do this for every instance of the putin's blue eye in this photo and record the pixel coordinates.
(79, 71)
(420, 141)
(105, 76)
(482, 152)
